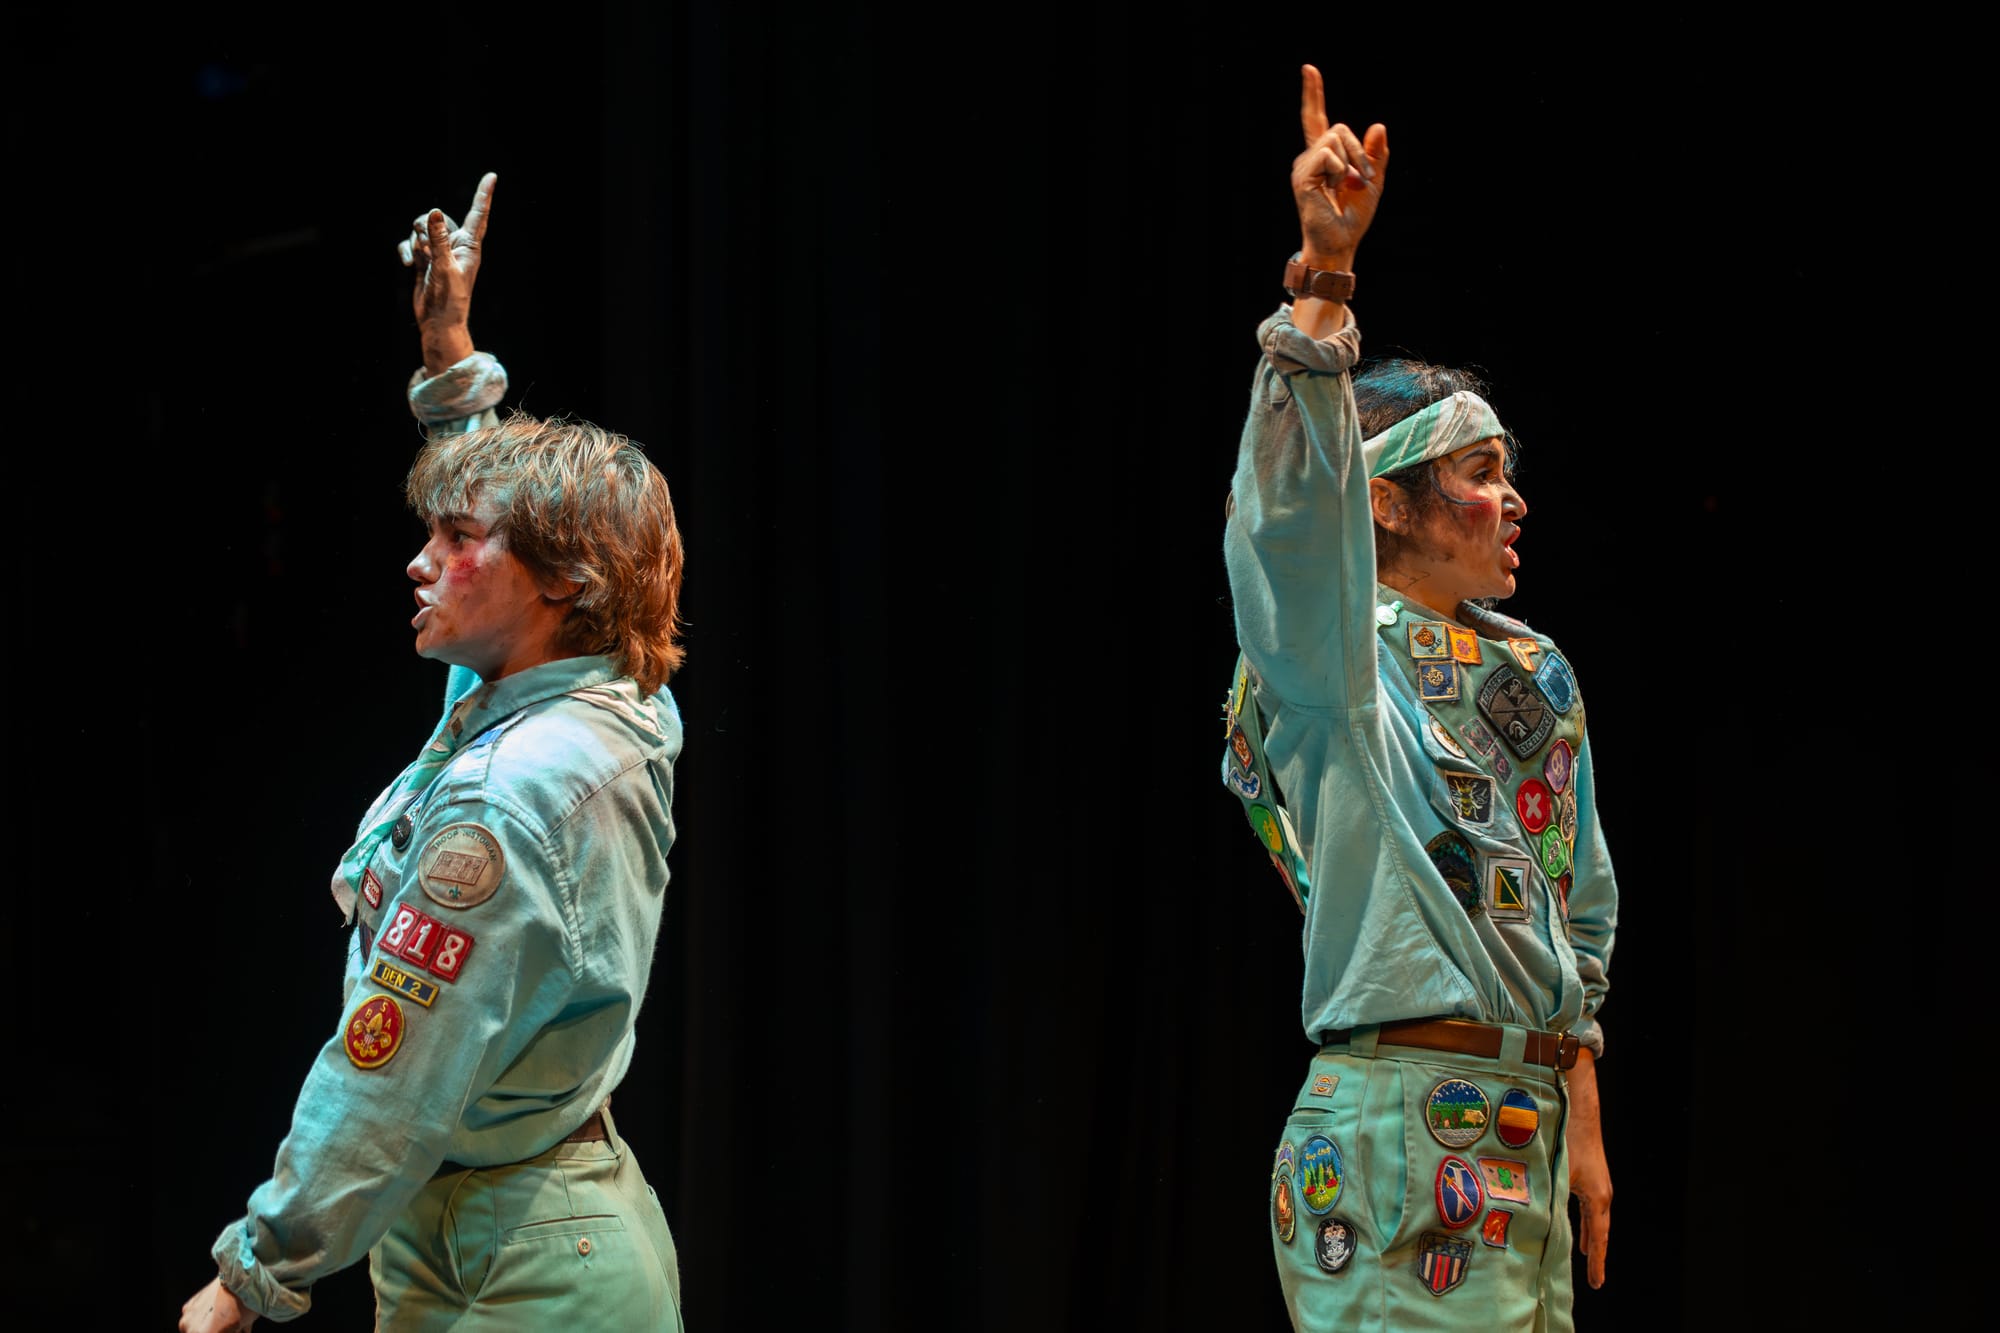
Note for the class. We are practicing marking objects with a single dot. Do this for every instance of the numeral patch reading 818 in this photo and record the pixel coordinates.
(437, 948)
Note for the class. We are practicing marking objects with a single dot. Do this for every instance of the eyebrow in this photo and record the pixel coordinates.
(1486, 451)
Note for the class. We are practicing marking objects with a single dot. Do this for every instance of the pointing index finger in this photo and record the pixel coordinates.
(482, 200)
(1312, 104)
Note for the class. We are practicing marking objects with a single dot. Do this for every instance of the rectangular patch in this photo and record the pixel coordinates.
(1506, 1179)
(1464, 645)
(385, 973)
(449, 960)
(397, 934)
(1324, 1084)
(1509, 881)
(1471, 796)
(1428, 640)
(371, 888)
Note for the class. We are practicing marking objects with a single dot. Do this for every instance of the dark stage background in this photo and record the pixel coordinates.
(976, 1004)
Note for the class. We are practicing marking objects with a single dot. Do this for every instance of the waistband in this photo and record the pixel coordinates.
(1550, 1050)
(593, 1130)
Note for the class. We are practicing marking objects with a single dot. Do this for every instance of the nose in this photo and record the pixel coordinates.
(1512, 505)
(423, 569)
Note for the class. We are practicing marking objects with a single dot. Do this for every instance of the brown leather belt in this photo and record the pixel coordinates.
(1554, 1050)
(591, 1130)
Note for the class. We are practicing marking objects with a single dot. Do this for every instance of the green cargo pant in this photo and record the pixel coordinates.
(1370, 1236)
(574, 1239)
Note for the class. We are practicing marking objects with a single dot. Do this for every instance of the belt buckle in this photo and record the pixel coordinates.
(1566, 1047)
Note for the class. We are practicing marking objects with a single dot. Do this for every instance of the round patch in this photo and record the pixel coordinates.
(1562, 893)
(1557, 764)
(1518, 1119)
(1319, 1173)
(1266, 825)
(1456, 1113)
(1566, 816)
(1460, 1196)
(1245, 783)
(1444, 738)
(1452, 856)
(1283, 1219)
(461, 866)
(375, 1031)
(1240, 744)
(1283, 1161)
(1535, 804)
(1334, 1245)
(1555, 852)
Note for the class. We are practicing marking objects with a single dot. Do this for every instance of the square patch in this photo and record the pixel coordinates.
(1429, 641)
(1437, 682)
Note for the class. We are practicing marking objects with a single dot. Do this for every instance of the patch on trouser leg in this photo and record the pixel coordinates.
(1442, 1261)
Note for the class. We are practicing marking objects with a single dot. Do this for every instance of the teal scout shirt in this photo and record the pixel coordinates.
(1409, 809)
(503, 948)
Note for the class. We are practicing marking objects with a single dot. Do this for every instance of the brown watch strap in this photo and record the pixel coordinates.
(1328, 284)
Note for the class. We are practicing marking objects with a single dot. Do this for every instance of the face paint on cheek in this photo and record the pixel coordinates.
(1475, 514)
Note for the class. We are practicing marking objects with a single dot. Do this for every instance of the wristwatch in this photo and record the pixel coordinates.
(1328, 284)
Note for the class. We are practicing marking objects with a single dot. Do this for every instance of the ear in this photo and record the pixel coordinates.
(555, 589)
(1390, 505)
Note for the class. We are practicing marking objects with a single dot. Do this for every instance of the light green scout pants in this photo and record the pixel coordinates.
(574, 1240)
(1369, 1235)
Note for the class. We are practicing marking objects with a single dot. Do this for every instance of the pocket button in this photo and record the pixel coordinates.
(583, 1245)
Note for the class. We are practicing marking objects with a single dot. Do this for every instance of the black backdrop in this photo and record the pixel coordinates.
(975, 1004)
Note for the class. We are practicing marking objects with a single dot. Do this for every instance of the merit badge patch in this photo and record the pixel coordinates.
(1464, 645)
(1429, 640)
(1555, 852)
(1239, 745)
(1319, 1173)
(1518, 1119)
(1501, 768)
(1566, 816)
(1494, 1229)
(1519, 715)
(1283, 1220)
(385, 973)
(1334, 1245)
(375, 1031)
(1456, 1113)
(1471, 796)
(1459, 1195)
(1437, 682)
(1442, 735)
(1557, 682)
(1245, 783)
(1507, 880)
(1535, 804)
(1478, 737)
(1506, 1179)
(1452, 856)
(1324, 1084)
(461, 867)
(1442, 1261)
(1266, 825)
(1524, 651)
(371, 888)
(1283, 1161)
(1557, 765)
(1562, 892)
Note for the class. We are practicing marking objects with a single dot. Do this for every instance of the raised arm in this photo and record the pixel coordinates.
(1300, 542)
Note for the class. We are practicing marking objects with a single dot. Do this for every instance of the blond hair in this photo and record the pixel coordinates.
(581, 505)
